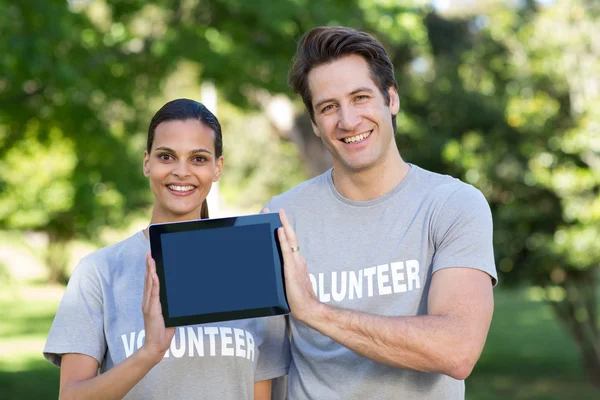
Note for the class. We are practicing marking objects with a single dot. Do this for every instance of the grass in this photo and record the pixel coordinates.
(527, 354)
(26, 314)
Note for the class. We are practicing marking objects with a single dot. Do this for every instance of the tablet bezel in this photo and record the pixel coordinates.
(155, 231)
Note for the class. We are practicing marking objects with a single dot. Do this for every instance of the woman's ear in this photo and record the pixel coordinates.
(145, 164)
(218, 169)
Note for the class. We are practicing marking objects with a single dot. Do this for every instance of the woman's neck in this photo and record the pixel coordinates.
(159, 218)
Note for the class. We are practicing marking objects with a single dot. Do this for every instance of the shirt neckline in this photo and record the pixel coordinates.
(410, 176)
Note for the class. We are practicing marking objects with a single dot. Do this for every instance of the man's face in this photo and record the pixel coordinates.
(352, 117)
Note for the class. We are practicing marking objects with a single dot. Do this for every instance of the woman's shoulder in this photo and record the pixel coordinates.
(117, 254)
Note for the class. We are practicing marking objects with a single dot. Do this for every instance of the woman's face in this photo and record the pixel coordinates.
(181, 168)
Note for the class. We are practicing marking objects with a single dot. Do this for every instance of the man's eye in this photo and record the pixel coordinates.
(327, 108)
(362, 97)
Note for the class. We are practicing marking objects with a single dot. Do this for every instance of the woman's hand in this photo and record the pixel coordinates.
(158, 338)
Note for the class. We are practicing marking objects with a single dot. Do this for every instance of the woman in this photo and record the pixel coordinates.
(100, 325)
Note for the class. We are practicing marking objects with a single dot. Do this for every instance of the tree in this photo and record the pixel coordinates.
(512, 105)
(80, 79)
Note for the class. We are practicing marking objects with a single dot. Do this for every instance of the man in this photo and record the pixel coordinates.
(389, 267)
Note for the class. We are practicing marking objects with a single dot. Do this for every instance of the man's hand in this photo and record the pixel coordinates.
(300, 294)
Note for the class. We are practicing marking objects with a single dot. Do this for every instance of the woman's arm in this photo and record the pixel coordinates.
(78, 376)
(262, 390)
(79, 379)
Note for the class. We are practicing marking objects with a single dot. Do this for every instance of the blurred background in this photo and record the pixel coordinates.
(503, 94)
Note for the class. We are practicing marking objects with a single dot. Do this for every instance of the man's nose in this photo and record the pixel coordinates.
(349, 118)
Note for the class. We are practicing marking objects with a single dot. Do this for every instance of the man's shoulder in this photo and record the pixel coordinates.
(444, 186)
(303, 192)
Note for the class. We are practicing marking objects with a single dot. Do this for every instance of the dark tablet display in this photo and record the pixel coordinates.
(219, 269)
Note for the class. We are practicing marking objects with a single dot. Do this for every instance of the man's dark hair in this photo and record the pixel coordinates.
(325, 44)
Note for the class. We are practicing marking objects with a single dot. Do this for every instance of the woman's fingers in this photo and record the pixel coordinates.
(154, 276)
(147, 285)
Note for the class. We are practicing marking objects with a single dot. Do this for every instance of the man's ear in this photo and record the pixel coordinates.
(315, 128)
(145, 164)
(218, 169)
(394, 100)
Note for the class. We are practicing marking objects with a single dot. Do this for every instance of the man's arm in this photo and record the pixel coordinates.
(448, 340)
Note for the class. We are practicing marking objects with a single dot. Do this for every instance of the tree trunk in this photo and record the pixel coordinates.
(57, 258)
(297, 128)
(315, 157)
(579, 313)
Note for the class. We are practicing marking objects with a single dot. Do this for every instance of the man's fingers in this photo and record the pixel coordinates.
(286, 250)
(289, 231)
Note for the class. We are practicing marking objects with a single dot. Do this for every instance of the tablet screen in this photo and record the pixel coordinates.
(219, 267)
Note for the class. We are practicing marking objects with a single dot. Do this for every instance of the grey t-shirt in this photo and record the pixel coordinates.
(378, 257)
(100, 316)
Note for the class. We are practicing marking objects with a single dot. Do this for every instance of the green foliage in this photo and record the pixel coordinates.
(256, 166)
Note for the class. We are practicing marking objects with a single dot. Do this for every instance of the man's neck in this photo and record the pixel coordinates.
(371, 183)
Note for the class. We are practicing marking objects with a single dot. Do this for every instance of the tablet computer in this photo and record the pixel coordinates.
(219, 269)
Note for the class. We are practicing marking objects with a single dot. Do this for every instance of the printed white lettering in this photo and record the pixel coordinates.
(128, 345)
(239, 342)
(412, 272)
(226, 339)
(382, 279)
(324, 297)
(140, 339)
(356, 284)
(178, 352)
(249, 346)
(369, 272)
(195, 342)
(338, 296)
(211, 332)
(398, 276)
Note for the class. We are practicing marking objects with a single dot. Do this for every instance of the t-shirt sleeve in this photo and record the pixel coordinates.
(78, 326)
(269, 206)
(462, 233)
(274, 355)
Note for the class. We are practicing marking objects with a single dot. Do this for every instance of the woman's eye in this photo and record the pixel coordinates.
(164, 157)
(200, 159)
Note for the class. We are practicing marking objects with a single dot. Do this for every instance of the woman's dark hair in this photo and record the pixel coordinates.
(182, 110)
(325, 44)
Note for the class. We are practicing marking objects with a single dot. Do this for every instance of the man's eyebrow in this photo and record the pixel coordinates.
(195, 151)
(361, 89)
(320, 103)
(358, 90)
